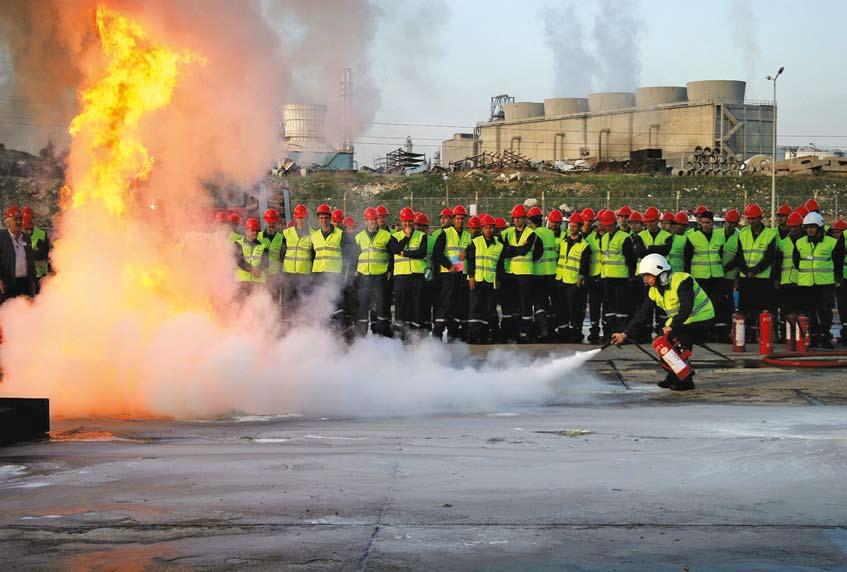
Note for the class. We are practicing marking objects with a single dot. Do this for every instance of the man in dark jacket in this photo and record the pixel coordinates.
(17, 262)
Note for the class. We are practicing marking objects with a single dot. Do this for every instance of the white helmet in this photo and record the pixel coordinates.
(656, 265)
(813, 218)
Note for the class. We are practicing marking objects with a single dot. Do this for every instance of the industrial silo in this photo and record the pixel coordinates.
(303, 126)
(523, 110)
(721, 90)
(610, 101)
(565, 106)
(660, 95)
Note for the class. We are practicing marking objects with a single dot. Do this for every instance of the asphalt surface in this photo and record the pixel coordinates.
(747, 472)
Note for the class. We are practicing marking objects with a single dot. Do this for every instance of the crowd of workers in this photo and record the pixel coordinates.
(481, 279)
(24, 254)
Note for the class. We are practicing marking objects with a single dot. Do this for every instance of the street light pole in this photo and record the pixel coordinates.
(773, 161)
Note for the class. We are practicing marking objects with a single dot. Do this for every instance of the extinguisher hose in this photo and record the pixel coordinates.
(807, 359)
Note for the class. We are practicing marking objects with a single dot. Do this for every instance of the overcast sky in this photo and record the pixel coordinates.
(477, 49)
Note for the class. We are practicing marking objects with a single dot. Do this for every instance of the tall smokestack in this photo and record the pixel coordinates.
(346, 109)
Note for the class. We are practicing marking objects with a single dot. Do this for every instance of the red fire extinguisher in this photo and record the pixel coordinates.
(738, 333)
(804, 338)
(672, 359)
(765, 333)
(791, 333)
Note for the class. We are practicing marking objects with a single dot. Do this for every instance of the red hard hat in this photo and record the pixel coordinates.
(381, 210)
(234, 217)
(624, 211)
(459, 210)
(474, 222)
(500, 223)
(447, 212)
(535, 211)
(486, 220)
(732, 215)
(337, 216)
(668, 216)
(812, 205)
(588, 214)
(253, 224)
(651, 214)
(27, 211)
(300, 211)
(794, 219)
(681, 218)
(700, 210)
(636, 217)
(753, 211)
(349, 222)
(271, 216)
(839, 225)
(324, 209)
(783, 209)
(607, 218)
(12, 212)
(556, 216)
(369, 214)
(28, 224)
(422, 219)
(802, 210)
(221, 217)
(407, 215)
(576, 217)
(518, 211)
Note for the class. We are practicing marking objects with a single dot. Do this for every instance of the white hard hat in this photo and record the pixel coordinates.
(813, 218)
(654, 264)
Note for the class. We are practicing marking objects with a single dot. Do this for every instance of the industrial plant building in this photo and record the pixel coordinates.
(610, 126)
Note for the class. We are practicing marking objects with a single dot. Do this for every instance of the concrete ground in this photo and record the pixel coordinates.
(747, 472)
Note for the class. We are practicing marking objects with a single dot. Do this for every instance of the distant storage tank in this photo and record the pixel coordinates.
(723, 90)
(303, 120)
(653, 96)
(565, 106)
(523, 110)
(610, 101)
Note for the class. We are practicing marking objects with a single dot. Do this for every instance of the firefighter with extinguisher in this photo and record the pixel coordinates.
(251, 255)
(819, 260)
(690, 316)
(448, 257)
(409, 247)
(757, 245)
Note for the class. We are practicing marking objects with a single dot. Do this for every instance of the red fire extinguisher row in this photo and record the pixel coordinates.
(671, 358)
(765, 333)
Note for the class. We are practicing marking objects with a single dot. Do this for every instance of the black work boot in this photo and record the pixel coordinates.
(683, 385)
(666, 383)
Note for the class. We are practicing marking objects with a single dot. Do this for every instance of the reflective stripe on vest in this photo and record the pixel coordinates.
(788, 275)
(614, 263)
(596, 254)
(274, 247)
(754, 250)
(519, 265)
(706, 262)
(454, 245)
(373, 253)
(546, 265)
(485, 259)
(571, 258)
(669, 300)
(252, 256)
(730, 249)
(403, 265)
(677, 254)
(327, 252)
(816, 265)
(298, 252)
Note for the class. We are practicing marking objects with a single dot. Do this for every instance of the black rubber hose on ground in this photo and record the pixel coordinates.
(809, 359)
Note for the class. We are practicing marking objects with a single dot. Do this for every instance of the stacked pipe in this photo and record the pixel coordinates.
(713, 161)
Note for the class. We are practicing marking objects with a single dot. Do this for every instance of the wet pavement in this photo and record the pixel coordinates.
(747, 472)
